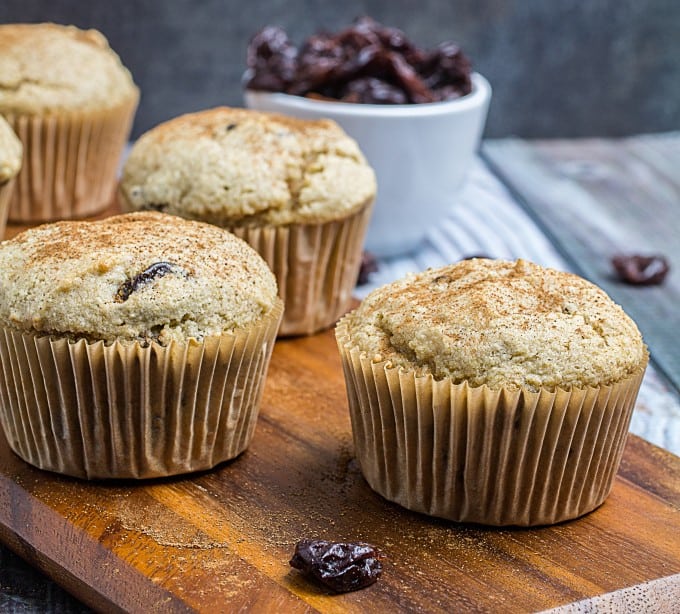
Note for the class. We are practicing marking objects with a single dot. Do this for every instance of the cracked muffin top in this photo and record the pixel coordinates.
(240, 167)
(499, 323)
(137, 277)
(47, 67)
(11, 152)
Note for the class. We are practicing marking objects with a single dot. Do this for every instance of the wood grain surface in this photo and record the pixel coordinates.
(221, 540)
(595, 198)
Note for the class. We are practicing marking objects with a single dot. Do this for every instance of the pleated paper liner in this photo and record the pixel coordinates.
(494, 457)
(126, 411)
(70, 162)
(316, 267)
(6, 189)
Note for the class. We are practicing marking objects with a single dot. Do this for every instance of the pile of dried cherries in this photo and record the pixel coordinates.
(365, 63)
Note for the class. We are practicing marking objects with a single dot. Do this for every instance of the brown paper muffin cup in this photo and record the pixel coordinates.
(6, 190)
(494, 457)
(70, 162)
(126, 411)
(316, 267)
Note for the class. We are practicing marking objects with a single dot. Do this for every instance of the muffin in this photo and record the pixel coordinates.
(135, 346)
(71, 102)
(299, 191)
(11, 153)
(491, 392)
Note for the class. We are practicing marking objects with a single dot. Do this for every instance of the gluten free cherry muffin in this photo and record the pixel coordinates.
(71, 102)
(299, 191)
(134, 346)
(492, 392)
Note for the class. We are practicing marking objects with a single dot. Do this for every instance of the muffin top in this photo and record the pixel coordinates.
(53, 68)
(11, 152)
(499, 323)
(240, 167)
(136, 277)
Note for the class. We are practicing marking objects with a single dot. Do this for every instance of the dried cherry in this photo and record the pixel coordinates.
(369, 264)
(340, 566)
(273, 59)
(156, 270)
(639, 270)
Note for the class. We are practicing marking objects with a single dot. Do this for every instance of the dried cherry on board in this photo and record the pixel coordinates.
(639, 270)
(340, 566)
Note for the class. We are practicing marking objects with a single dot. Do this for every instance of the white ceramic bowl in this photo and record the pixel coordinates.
(420, 153)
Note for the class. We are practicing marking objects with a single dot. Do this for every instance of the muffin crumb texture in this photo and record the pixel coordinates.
(240, 167)
(49, 67)
(501, 324)
(136, 277)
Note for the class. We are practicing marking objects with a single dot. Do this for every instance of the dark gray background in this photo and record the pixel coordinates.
(559, 68)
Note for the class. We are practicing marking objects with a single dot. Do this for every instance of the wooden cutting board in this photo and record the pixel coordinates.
(220, 541)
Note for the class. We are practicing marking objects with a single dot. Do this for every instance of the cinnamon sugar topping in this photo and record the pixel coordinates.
(141, 276)
(502, 324)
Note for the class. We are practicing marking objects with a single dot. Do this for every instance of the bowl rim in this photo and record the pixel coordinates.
(480, 94)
